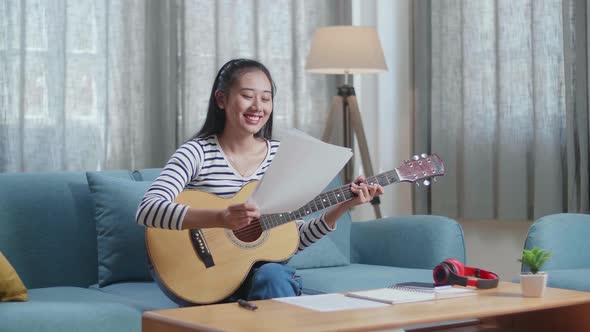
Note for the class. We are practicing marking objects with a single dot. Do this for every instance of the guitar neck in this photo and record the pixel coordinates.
(325, 200)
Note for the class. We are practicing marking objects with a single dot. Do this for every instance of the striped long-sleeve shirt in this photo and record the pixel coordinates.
(201, 164)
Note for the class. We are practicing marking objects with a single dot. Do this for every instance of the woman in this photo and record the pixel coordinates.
(235, 147)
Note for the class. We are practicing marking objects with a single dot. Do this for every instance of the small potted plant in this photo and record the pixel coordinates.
(533, 283)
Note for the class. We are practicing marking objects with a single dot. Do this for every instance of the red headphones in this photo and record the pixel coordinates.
(452, 272)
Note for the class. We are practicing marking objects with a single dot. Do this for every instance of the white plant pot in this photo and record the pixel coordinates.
(533, 285)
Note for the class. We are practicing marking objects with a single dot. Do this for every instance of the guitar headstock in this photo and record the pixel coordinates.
(422, 167)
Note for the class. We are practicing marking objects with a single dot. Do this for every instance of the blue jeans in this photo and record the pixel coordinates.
(265, 281)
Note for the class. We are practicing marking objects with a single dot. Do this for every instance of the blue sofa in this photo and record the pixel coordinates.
(566, 236)
(72, 239)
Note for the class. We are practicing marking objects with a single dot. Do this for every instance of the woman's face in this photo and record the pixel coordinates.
(249, 103)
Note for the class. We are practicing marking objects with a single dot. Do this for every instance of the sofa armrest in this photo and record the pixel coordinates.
(417, 241)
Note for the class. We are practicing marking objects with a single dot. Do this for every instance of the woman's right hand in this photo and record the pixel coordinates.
(240, 215)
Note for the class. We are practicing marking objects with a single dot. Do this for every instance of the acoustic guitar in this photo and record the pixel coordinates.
(203, 266)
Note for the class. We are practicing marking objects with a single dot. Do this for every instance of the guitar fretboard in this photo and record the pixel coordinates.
(324, 201)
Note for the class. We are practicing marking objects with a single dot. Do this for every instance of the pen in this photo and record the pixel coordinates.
(247, 305)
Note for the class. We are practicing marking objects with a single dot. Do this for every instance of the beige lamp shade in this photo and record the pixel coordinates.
(345, 49)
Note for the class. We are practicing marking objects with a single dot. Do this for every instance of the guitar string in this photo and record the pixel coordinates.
(256, 226)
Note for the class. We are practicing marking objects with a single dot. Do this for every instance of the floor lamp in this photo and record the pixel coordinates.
(346, 50)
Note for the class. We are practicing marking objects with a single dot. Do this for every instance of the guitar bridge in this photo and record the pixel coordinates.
(200, 245)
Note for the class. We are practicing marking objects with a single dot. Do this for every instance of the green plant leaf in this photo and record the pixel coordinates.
(534, 258)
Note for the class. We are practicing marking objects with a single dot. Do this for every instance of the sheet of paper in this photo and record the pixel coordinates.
(301, 169)
(330, 302)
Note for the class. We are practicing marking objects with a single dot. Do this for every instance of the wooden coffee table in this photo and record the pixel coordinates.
(503, 308)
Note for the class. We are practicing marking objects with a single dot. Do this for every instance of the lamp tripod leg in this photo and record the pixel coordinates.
(357, 125)
(335, 107)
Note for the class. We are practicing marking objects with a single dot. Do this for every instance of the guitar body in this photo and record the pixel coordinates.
(174, 254)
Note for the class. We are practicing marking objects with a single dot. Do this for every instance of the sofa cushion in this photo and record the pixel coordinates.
(11, 287)
(357, 277)
(389, 241)
(331, 250)
(71, 309)
(565, 235)
(120, 241)
(148, 293)
(47, 227)
(147, 174)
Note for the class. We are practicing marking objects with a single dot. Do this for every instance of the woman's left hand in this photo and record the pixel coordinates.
(364, 191)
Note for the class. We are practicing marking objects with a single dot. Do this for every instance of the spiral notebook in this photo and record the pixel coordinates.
(401, 294)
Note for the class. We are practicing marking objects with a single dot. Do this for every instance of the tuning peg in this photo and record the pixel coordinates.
(415, 157)
(426, 183)
(424, 155)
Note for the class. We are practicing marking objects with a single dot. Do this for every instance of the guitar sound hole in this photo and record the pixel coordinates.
(249, 233)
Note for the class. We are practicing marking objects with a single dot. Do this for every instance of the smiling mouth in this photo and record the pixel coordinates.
(252, 119)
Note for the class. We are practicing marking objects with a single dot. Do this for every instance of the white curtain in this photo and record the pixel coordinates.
(278, 34)
(494, 95)
(107, 84)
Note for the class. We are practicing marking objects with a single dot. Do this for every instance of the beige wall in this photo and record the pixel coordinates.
(495, 245)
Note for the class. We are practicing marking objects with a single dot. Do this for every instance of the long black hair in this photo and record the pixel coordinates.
(226, 77)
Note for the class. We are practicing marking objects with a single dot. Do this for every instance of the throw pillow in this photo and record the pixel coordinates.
(120, 240)
(331, 250)
(11, 287)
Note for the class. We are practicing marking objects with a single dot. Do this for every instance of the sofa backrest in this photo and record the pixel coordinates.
(47, 229)
(566, 236)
